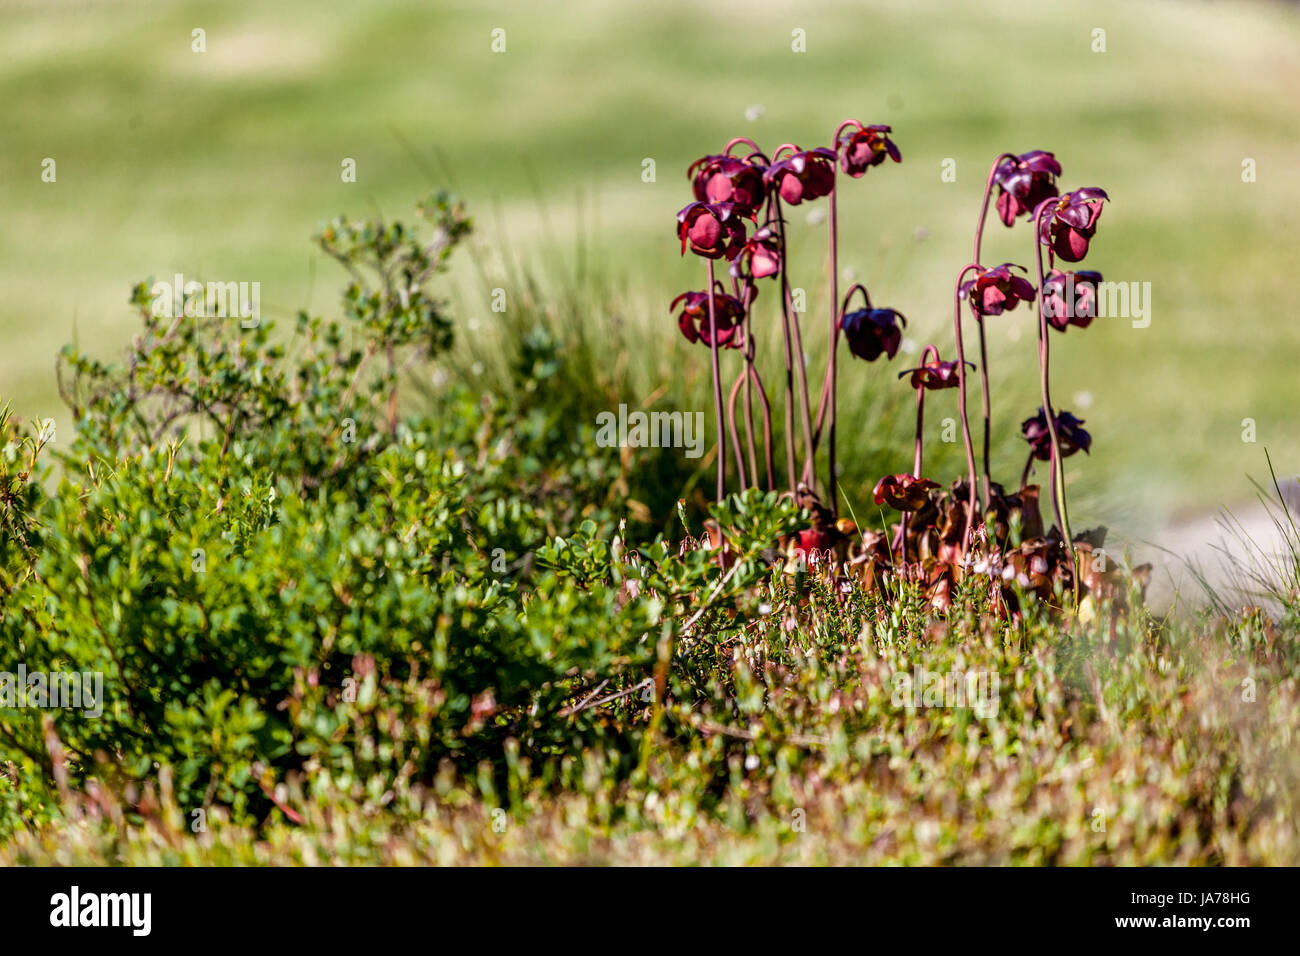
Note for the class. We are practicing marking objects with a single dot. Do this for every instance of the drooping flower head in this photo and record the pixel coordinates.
(712, 230)
(1024, 182)
(803, 175)
(761, 255)
(719, 179)
(694, 318)
(1072, 223)
(935, 374)
(1070, 298)
(1068, 428)
(997, 290)
(864, 147)
(904, 492)
(873, 332)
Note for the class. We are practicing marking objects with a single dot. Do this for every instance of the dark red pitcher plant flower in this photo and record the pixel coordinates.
(738, 218)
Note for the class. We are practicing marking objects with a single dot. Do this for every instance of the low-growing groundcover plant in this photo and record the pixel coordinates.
(336, 625)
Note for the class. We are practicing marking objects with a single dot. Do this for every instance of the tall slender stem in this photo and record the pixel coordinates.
(984, 363)
(735, 432)
(747, 301)
(916, 455)
(986, 406)
(1024, 475)
(920, 410)
(984, 208)
(767, 428)
(794, 356)
(961, 401)
(747, 344)
(717, 389)
(749, 418)
(1044, 363)
(831, 486)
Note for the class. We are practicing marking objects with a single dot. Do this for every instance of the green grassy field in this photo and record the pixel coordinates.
(221, 164)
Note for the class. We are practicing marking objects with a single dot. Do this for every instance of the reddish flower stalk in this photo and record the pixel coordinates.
(735, 432)
(916, 455)
(754, 380)
(1057, 469)
(984, 208)
(986, 406)
(767, 428)
(985, 392)
(831, 489)
(744, 140)
(747, 297)
(774, 210)
(920, 410)
(717, 387)
(749, 402)
(794, 361)
(1024, 475)
(961, 402)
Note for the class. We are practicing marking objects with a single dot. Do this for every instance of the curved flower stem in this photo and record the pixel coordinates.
(745, 140)
(916, 455)
(1024, 475)
(984, 208)
(834, 340)
(965, 420)
(824, 401)
(793, 360)
(984, 364)
(767, 428)
(832, 487)
(747, 328)
(1044, 363)
(986, 407)
(920, 410)
(789, 348)
(735, 432)
(717, 389)
(749, 417)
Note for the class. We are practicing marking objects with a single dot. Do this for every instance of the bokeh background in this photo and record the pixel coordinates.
(220, 165)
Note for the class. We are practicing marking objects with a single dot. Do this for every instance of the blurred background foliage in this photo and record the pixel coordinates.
(217, 165)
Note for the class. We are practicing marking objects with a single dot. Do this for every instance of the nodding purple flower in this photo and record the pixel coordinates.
(873, 332)
(712, 230)
(1024, 182)
(694, 318)
(866, 147)
(718, 179)
(1072, 222)
(804, 175)
(935, 375)
(1068, 428)
(1070, 298)
(904, 492)
(997, 290)
(760, 257)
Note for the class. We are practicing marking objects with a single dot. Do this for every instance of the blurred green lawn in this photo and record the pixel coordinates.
(220, 165)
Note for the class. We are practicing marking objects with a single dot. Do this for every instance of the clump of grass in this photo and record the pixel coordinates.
(1256, 563)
